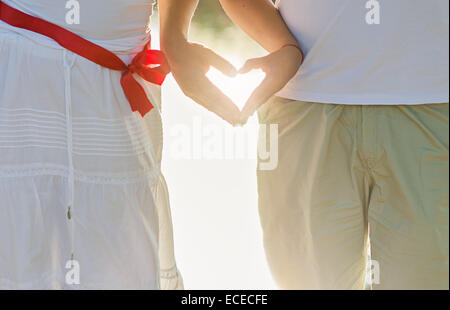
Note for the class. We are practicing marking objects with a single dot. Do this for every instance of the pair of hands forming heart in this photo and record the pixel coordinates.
(190, 62)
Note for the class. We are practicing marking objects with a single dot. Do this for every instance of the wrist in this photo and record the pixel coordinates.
(172, 43)
(296, 46)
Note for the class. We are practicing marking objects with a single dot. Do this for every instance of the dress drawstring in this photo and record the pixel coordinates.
(69, 60)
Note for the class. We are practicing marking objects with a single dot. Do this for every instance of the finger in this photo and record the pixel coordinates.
(221, 64)
(250, 65)
(260, 96)
(215, 101)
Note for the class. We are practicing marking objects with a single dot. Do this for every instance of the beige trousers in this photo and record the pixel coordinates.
(347, 173)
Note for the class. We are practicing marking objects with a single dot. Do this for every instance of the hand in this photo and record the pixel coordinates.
(280, 67)
(189, 63)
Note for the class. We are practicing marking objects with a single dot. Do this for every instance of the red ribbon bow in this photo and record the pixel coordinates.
(149, 64)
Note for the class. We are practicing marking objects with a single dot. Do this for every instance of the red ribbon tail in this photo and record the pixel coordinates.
(135, 94)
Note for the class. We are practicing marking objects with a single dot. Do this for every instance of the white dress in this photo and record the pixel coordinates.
(79, 171)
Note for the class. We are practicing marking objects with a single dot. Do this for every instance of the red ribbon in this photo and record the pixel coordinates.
(149, 64)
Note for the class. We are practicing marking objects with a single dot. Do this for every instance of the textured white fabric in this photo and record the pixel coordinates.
(401, 60)
(117, 25)
(69, 143)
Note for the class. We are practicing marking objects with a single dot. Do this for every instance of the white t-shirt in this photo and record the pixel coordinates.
(402, 60)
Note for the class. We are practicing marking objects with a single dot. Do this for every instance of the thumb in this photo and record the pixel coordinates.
(251, 64)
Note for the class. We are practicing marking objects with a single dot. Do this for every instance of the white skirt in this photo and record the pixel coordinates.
(79, 175)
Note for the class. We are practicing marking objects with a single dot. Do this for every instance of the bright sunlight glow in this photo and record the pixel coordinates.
(238, 88)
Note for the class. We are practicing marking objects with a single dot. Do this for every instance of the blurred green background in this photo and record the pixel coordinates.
(211, 16)
(212, 27)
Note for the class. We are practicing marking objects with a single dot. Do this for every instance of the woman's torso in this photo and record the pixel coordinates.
(119, 25)
(52, 100)
(70, 144)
